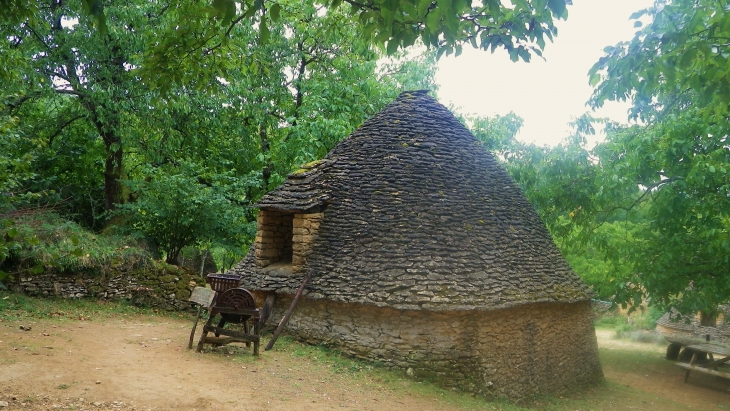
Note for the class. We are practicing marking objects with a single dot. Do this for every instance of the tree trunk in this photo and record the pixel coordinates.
(113, 171)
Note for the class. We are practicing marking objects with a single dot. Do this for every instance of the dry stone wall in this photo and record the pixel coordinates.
(510, 353)
(165, 286)
(305, 231)
(273, 237)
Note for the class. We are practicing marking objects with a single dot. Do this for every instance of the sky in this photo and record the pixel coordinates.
(546, 94)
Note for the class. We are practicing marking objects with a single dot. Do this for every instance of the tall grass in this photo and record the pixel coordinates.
(51, 242)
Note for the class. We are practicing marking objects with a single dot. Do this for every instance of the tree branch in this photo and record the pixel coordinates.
(62, 127)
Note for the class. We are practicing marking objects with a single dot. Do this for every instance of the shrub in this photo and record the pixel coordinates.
(43, 240)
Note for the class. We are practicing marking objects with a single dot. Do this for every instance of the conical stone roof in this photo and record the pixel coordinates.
(418, 215)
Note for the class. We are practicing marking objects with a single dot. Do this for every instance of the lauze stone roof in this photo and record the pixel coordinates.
(418, 215)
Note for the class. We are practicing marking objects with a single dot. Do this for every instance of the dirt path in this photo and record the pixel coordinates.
(146, 365)
(143, 364)
(633, 364)
(606, 341)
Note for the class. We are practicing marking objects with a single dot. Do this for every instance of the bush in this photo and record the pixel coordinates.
(610, 320)
(185, 209)
(43, 240)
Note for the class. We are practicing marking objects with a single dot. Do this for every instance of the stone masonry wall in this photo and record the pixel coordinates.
(511, 353)
(305, 231)
(274, 237)
(166, 287)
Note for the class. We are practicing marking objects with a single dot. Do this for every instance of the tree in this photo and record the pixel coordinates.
(77, 75)
(199, 28)
(681, 57)
(232, 134)
(676, 73)
(191, 207)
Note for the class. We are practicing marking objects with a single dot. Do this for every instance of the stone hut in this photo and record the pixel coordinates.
(427, 258)
(698, 326)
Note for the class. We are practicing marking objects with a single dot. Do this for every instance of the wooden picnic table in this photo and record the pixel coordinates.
(712, 365)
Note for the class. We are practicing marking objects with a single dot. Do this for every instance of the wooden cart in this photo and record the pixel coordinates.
(229, 304)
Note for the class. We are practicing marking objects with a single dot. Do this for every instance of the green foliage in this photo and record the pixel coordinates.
(16, 11)
(497, 133)
(180, 210)
(675, 72)
(610, 320)
(92, 137)
(43, 240)
(74, 92)
(520, 28)
(561, 183)
(226, 258)
(637, 326)
(642, 215)
(15, 163)
(683, 50)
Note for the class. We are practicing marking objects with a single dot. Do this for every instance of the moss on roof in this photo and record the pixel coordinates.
(419, 216)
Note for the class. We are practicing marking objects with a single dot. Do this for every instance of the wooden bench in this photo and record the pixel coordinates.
(711, 367)
(674, 349)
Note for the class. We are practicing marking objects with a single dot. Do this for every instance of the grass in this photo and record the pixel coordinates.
(643, 336)
(14, 307)
(610, 320)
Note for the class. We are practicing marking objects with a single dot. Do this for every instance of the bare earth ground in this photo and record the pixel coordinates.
(142, 363)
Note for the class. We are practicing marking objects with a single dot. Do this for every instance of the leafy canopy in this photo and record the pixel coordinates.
(683, 50)
(521, 27)
(676, 73)
(81, 133)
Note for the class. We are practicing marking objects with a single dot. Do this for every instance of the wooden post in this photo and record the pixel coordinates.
(192, 332)
(266, 310)
(289, 312)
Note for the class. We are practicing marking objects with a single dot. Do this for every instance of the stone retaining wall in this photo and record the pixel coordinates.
(164, 286)
(511, 353)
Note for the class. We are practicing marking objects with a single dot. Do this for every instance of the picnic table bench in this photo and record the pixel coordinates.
(700, 351)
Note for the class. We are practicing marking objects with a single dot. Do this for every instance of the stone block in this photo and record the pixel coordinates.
(267, 253)
(306, 239)
(264, 234)
(263, 262)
